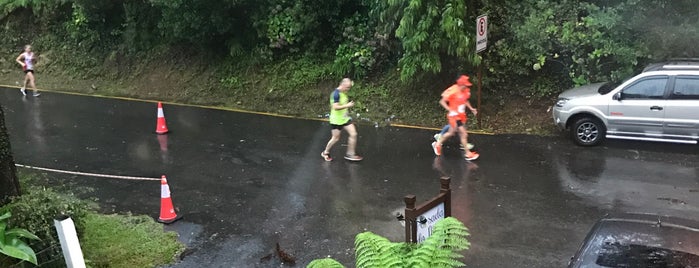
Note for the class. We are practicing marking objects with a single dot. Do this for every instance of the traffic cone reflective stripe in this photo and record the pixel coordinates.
(167, 211)
(161, 128)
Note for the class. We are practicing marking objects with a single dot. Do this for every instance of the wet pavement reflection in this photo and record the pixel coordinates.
(245, 182)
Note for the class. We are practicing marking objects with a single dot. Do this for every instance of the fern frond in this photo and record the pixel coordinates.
(325, 263)
(372, 250)
(442, 248)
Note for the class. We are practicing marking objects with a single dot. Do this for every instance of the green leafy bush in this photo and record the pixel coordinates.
(285, 24)
(355, 55)
(433, 34)
(35, 211)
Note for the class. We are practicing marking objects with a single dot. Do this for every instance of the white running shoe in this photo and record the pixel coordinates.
(353, 158)
(36, 94)
(24, 91)
(437, 136)
(470, 146)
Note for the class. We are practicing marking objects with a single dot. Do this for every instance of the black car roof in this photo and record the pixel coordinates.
(617, 239)
(653, 218)
(664, 231)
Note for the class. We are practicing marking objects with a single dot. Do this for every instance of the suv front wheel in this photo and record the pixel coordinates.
(588, 131)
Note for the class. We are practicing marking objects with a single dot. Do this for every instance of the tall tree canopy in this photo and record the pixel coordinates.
(548, 42)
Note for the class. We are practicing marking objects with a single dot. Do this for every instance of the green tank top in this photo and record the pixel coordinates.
(341, 116)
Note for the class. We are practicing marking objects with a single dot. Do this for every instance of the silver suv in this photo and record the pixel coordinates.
(660, 104)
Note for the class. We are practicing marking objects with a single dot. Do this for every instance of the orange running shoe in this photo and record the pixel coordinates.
(437, 148)
(472, 156)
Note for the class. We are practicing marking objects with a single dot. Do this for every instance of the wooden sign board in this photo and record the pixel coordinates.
(420, 219)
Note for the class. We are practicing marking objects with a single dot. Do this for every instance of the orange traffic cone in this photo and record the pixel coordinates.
(161, 128)
(167, 211)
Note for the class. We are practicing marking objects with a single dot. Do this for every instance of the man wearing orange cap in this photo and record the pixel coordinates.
(455, 101)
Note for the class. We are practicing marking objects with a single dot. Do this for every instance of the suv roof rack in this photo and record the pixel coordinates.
(674, 64)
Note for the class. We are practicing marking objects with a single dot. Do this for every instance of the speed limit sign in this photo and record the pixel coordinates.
(481, 33)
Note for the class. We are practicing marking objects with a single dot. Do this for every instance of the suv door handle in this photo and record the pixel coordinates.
(656, 108)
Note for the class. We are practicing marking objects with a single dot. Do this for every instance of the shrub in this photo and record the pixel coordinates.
(35, 211)
(355, 55)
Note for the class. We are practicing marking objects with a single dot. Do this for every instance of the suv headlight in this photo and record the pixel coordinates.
(561, 101)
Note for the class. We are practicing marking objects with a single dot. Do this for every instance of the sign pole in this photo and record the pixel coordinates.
(410, 224)
(481, 44)
(480, 77)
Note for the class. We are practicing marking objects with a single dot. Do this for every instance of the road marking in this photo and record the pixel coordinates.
(224, 108)
(90, 174)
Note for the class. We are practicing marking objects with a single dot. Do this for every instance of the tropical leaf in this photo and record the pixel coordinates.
(19, 232)
(2, 233)
(5, 216)
(10, 243)
(20, 250)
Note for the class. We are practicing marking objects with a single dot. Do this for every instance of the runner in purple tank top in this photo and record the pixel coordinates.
(26, 59)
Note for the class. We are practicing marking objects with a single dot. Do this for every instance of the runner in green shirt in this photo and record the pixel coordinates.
(339, 120)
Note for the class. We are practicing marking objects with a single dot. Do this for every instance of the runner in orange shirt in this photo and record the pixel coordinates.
(455, 101)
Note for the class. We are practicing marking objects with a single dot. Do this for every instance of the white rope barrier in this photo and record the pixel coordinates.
(90, 174)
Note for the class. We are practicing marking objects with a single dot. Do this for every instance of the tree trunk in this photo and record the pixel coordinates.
(9, 184)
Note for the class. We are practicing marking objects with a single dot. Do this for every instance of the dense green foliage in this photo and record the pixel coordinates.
(539, 41)
(430, 32)
(441, 249)
(553, 44)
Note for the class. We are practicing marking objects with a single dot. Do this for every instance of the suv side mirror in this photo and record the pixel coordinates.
(617, 96)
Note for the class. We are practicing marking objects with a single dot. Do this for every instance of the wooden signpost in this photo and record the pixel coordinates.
(419, 220)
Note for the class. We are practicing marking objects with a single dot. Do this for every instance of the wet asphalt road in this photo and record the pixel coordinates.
(245, 182)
